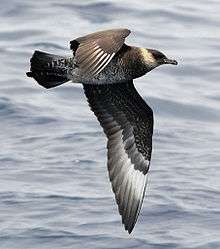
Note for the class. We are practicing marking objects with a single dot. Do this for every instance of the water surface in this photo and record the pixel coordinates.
(54, 187)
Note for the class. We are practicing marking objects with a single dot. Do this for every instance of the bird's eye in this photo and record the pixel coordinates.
(157, 55)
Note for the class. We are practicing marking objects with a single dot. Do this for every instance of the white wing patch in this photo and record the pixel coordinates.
(91, 58)
(128, 183)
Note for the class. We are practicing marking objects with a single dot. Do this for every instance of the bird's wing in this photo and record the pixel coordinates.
(128, 124)
(93, 52)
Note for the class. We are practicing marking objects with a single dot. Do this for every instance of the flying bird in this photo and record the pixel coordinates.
(106, 67)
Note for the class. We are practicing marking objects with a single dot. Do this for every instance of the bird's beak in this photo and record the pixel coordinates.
(169, 61)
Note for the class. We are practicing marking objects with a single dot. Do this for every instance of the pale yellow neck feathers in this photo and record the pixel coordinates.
(147, 55)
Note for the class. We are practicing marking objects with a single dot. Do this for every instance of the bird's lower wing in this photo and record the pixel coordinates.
(128, 124)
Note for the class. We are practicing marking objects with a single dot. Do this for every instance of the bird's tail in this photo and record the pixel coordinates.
(49, 70)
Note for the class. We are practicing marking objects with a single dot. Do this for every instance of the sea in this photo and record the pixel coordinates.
(54, 186)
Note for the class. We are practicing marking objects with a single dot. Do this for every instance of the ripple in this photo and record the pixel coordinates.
(6, 107)
(185, 111)
(88, 11)
(15, 9)
(45, 45)
(19, 34)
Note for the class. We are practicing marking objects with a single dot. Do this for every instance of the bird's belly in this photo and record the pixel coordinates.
(112, 73)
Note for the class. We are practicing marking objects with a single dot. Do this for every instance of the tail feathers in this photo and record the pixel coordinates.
(48, 70)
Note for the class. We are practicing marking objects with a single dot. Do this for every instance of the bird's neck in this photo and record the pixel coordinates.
(134, 61)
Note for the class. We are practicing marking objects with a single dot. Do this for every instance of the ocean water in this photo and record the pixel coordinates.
(54, 187)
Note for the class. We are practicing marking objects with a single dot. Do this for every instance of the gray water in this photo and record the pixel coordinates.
(54, 187)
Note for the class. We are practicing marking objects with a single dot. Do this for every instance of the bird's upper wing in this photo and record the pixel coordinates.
(94, 51)
(128, 124)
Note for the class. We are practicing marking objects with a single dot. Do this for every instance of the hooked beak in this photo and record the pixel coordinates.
(169, 61)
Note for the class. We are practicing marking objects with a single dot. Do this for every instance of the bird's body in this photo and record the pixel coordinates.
(125, 65)
(120, 69)
(106, 67)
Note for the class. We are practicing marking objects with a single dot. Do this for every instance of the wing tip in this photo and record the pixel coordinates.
(129, 227)
(128, 31)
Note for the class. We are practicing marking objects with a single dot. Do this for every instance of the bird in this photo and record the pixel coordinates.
(107, 66)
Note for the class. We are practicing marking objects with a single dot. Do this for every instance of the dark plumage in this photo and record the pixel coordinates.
(106, 67)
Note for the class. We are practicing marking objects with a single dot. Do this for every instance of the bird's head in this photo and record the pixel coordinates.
(154, 58)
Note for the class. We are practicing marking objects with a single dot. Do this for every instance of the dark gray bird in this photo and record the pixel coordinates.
(106, 67)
